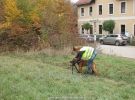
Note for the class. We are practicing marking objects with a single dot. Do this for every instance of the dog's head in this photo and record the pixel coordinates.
(73, 62)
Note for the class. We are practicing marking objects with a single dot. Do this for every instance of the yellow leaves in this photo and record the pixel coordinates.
(4, 25)
(41, 5)
(34, 17)
(28, 14)
(11, 10)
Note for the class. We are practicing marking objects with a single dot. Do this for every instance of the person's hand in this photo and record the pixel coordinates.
(74, 61)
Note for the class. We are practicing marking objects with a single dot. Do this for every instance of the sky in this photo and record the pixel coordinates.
(74, 1)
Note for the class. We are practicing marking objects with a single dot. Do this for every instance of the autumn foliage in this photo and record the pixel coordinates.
(27, 24)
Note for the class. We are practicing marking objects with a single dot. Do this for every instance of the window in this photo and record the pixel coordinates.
(108, 36)
(82, 11)
(110, 8)
(122, 29)
(82, 30)
(115, 35)
(90, 11)
(100, 9)
(100, 29)
(111, 35)
(123, 7)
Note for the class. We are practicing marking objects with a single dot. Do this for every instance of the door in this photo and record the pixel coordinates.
(111, 39)
(82, 31)
(100, 29)
(122, 29)
(114, 38)
(91, 29)
(107, 39)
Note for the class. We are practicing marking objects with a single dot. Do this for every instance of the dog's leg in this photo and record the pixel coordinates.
(80, 67)
(94, 69)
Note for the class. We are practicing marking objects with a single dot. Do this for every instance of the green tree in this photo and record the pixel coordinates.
(109, 26)
(86, 26)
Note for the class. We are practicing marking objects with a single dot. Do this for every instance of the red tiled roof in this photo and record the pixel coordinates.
(84, 2)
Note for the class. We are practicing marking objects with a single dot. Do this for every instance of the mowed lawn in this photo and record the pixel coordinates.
(37, 76)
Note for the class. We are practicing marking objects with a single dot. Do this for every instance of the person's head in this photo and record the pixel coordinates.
(76, 48)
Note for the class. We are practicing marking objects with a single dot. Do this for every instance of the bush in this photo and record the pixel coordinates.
(109, 26)
(86, 26)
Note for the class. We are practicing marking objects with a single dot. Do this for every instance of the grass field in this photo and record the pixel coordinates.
(37, 76)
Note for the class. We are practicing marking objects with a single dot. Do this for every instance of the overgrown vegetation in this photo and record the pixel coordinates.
(39, 76)
(45, 22)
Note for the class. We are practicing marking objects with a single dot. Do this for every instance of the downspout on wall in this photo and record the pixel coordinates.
(134, 7)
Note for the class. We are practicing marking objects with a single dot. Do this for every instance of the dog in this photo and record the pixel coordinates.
(83, 63)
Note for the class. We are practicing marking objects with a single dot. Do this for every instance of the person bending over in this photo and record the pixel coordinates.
(85, 53)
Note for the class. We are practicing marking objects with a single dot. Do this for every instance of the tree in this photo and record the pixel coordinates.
(109, 26)
(49, 17)
(86, 26)
(1, 11)
(59, 20)
(12, 12)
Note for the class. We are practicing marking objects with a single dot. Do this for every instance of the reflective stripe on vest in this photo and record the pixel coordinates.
(87, 54)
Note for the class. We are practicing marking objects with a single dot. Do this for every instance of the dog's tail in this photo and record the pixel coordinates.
(94, 69)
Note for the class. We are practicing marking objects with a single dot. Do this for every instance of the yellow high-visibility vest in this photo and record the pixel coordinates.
(88, 52)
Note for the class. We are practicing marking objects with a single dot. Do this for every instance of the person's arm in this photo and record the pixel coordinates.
(79, 55)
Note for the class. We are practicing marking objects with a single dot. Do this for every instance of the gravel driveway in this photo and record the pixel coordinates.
(122, 51)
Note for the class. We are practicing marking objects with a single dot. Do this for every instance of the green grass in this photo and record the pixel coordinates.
(37, 76)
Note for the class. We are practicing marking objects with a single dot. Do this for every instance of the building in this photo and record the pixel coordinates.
(97, 11)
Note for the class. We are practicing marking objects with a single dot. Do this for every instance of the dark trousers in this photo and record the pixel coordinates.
(90, 61)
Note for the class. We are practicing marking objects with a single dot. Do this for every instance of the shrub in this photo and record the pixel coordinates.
(109, 26)
(86, 26)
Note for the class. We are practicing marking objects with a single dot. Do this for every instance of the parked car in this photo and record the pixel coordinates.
(116, 39)
(98, 36)
(87, 37)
